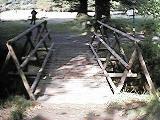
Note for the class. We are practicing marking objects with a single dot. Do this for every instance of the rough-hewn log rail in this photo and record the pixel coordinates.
(112, 51)
(33, 51)
(27, 31)
(128, 65)
(119, 32)
(35, 44)
(36, 81)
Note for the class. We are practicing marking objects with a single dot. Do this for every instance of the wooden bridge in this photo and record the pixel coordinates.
(69, 70)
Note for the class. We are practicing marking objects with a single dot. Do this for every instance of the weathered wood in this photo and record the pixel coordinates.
(126, 71)
(45, 45)
(145, 71)
(33, 52)
(120, 32)
(36, 81)
(38, 32)
(21, 73)
(93, 38)
(113, 52)
(109, 79)
(120, 48)
(117, 75)
(26, 74)
(32, 45)
(24, 33)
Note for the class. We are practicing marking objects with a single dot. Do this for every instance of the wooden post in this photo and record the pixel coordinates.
(33, 51)
(45, 26)
(45, 45)
(145, 71)
(36, 81)
(120, 48)
(38, 31)
(32, 45)
(113, 52)
(126, 71)
(24, 80)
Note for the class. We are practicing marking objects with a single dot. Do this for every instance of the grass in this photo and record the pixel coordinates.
(10, 29)
(78, 26)
(133, 106)
(15, 106)
(141, 24)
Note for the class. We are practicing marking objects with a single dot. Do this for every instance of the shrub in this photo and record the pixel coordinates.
(151, 54)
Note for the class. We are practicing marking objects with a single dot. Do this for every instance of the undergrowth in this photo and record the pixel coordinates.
(17, 106)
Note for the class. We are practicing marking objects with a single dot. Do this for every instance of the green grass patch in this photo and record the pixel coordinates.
(134, 106)
(16, 106)
(146, 25)
(10, 29)
(75, 26)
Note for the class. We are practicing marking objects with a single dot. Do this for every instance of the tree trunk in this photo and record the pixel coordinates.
(102, 8)
(106, 9)
(83, 6)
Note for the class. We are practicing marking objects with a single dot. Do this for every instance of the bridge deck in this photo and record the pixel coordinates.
(72, 74)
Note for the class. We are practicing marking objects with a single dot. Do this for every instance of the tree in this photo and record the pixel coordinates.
(150, 7)
(102, 8)
(83, 7)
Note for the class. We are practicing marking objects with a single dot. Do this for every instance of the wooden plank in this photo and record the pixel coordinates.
(104, 71)
(26, 73)
(21, 73)
(121, 74)
(24, 33)
(36, 81)
(146, 73)
(33, 51)
(126, 71)
(120, 48)
(113, 52)
(120, 32)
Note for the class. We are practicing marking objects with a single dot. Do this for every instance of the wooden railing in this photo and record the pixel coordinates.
(101, 39)
(31, 41)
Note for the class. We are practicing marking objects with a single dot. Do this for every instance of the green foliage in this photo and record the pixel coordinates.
(44, 4)
(151, 54)
(77, 26)
(3, 1)
(150, 7)
(152, 110)
(17, 106)
(9, 30)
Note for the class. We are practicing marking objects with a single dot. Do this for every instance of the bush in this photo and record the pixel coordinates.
(151, 54)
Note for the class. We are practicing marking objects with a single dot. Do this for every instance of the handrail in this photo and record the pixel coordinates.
(33, 52)
(120, 32)
(25, 32)
(113, 52)
(38, 41)
(100, 40)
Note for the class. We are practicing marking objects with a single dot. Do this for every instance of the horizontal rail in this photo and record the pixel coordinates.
(126, 65)
(33, 52)
(25, 32)
(36, 81)
(116, 75)
(120, 32)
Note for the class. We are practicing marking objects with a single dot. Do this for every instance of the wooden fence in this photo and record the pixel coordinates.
(101, 42)
(35, 40)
